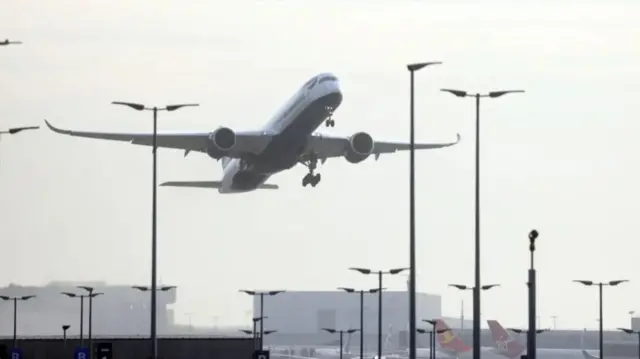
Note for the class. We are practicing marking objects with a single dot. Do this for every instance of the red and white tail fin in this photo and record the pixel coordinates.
(448, 340)
(507, 345)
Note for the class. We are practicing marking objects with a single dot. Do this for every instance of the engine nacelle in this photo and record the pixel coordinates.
(360, 147)
(221, 141)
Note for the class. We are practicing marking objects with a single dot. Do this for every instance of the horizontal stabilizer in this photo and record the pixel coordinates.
(208, 184)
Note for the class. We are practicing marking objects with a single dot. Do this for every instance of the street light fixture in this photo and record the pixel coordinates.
(164, 288)
(526, 331)
(611, 283)
(255, 332)
(266, 332)
(361, 291)
(91, 295)
(15, 313)
(341, 332)
(154, 259)
(464, 287)
(636, 332)
(472, 289)
(64, 335)
(14, 130)
(261, 294)
(81, 296)
(432, 336)
(476, 293)
(7, 42)
(380, 273)
(412, 207)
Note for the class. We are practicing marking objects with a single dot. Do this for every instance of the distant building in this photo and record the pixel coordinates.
(308, 312)
(121, 310)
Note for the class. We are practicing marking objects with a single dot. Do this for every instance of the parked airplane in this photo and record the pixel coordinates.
(511, 348)
(451, 345)
(333, 352)
(250, 158)
(321, 352)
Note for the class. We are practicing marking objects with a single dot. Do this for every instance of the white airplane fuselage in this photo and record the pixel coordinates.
(290, 127)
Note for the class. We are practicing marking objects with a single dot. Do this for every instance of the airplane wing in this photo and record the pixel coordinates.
(246, 142)
(328, 146)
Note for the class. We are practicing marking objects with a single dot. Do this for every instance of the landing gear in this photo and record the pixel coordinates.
(329, 121)
(311, 178)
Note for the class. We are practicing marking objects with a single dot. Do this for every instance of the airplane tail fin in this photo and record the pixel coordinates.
(448, 340)
(208, 184)
(388, 339)
(505, 343)
(347, 344)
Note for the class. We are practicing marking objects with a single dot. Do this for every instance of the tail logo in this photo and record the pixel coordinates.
(446, 337)
(502, 343)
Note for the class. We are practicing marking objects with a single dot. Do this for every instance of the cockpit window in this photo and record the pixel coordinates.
(328, 78)
(310, 83)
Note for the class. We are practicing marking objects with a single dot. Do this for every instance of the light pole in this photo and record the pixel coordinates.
(81, 296)
(531, 332)
(164, 288)
(361, 291)
(341, 332)
(611, 283)
(476, 293)
(636, 332)
(91, 295)
(261, 295)
(412, 207)
(472, 289)
(255, 332)
(379, 273)
(432, 336)
(554, 317)
(15, 313)
(7, 42)
(64, 335)
(154, 259)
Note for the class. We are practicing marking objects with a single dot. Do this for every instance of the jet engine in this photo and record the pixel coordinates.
(360, 147)
(221, 141)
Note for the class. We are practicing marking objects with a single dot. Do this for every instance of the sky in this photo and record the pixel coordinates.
(559, 158)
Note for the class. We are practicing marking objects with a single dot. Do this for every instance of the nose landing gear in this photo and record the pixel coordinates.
(329, 122)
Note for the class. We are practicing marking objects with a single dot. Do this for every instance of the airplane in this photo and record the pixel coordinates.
(334, 353)
(450, 344)
(509, 347)
(315, 352)
(250, 158)
(7, 42)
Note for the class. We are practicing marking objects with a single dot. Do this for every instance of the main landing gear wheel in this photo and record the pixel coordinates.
(330, 123)
(311, 178)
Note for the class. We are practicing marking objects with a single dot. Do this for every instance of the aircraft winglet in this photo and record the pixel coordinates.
(55, 129)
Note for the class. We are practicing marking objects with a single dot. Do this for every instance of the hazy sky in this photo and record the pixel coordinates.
(560, 158)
